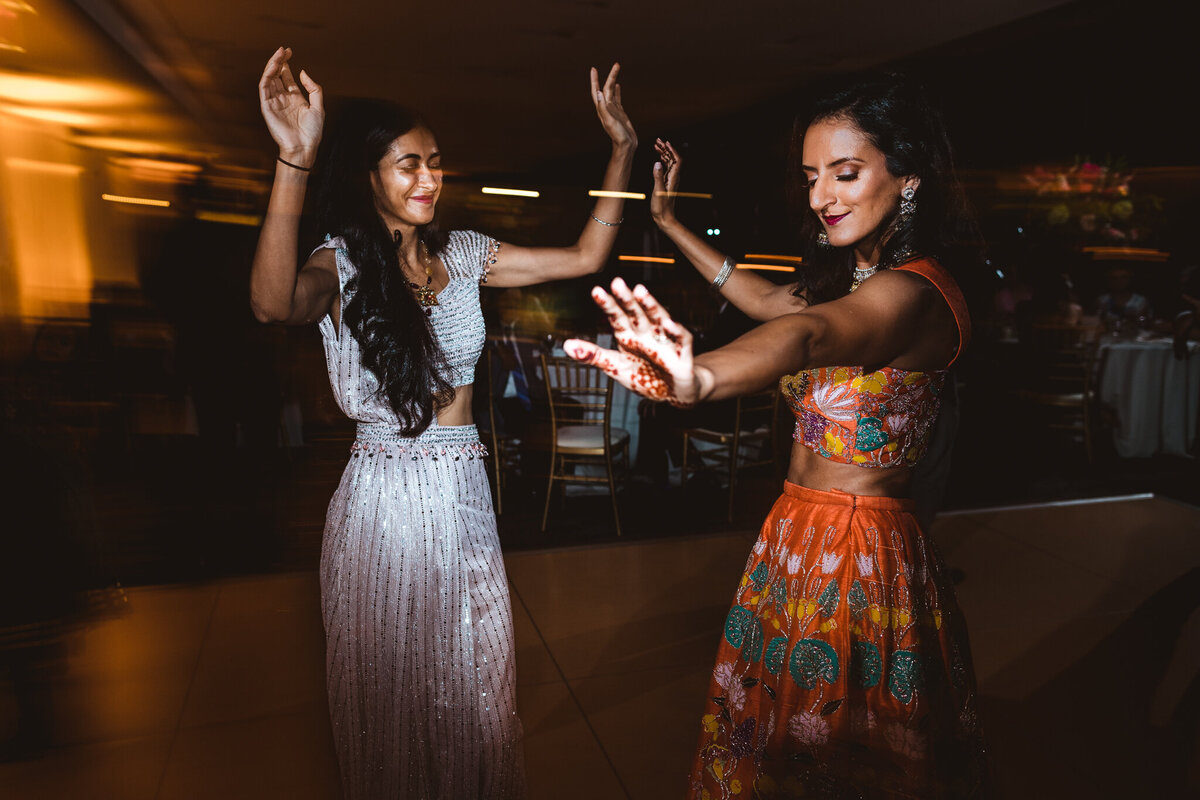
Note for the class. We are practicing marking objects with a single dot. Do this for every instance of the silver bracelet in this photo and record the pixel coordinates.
(609, 224)
(723, 275)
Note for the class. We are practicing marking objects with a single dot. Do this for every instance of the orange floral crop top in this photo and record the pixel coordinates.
(875, 419)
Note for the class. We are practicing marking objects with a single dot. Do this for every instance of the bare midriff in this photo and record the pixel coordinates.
(459, 410)
(813, 471)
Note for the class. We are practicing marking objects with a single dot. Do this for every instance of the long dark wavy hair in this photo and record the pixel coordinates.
(383, 315)
(895, 115)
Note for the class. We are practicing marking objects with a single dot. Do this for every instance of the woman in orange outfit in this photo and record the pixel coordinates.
(843, 669)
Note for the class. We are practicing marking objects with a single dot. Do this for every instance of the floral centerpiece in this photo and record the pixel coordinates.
(1090, 203)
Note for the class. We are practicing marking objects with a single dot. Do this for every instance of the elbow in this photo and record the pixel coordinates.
(266, 314)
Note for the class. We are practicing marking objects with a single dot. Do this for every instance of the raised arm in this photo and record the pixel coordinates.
(754, 295)
(900, 320)
(523, 266)
(278, 293)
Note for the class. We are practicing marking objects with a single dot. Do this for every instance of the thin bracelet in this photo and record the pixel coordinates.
(723, 275)
(293, 166)
(609, 224)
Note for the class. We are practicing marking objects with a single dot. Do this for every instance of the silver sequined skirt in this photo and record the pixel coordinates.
(419, 644)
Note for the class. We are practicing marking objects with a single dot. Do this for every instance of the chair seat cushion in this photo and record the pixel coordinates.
(589, 436)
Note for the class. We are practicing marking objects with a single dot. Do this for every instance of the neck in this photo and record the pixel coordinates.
(409, 247)
(866, 254)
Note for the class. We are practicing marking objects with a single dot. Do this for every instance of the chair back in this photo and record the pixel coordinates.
(1062, 358)
(578, 394)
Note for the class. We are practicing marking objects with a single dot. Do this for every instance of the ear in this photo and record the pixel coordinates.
(912, 182)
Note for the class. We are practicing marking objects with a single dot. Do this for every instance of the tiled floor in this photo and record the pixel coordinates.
(1084, 623)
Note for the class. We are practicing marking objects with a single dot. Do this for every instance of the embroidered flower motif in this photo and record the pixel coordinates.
(727, 678)
(896, 423)
(710, 723)
(794, 563)
(905, 741)
(864, 564)
(830, 562)
(810, 428)
(775, 655)
(866, 664)
(830, 598)
(905, 676)
(760, 545)
(873, 383)
(735, 786)
(813, 660)
(809, 729)
(835, 399)
(759, 576)
(857, 599)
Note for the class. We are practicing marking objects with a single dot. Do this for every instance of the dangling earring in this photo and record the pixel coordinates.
(823, 240)
(908, 206)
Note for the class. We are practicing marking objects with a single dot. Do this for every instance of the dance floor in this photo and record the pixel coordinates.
(1085, 624)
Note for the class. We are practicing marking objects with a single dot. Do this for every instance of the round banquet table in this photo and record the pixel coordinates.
(1156, 396)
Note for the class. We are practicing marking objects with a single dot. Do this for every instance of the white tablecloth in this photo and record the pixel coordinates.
(1156, 396)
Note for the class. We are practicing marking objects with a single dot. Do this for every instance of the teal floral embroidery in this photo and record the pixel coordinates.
(813, 660)
(759, 576)
(776, 653)
(736, 624)
(866, 664)
(857, 599)
(830, 598)
(779, 593)
(905, 677)
(869, 434)
(752, 647)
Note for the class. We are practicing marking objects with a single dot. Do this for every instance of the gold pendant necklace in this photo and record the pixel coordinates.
(426, 295)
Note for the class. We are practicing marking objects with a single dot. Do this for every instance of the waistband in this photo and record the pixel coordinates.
(835, 497)
(454, 441)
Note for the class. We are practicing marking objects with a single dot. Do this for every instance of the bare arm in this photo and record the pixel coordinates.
(900, 321)
(523, 266)
(754, 295)
(277, 292)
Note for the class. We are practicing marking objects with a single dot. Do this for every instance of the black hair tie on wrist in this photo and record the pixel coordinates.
(293, 166)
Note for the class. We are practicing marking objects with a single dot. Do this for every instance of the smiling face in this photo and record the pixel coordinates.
(408, 180)
(849, 186)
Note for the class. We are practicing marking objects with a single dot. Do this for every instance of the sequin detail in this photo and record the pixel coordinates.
(457, 319)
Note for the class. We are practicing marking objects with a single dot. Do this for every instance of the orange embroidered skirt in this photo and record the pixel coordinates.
(844, 668)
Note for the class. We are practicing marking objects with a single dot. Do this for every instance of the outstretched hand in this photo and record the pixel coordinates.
(295, 122)
(666, 181)
(607, 100)
(655, 355)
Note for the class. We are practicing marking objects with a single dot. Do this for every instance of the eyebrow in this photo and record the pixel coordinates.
(836, 163)
(433, 155)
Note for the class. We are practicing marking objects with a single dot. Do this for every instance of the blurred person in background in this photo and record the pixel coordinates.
(1121, 303)
(419, 642)
(844, 669)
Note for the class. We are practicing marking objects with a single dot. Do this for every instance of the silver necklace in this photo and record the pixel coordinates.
(861, 274)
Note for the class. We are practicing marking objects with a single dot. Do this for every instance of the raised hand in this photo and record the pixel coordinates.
(295, 122)
(655, 355)
(607, 100)
(666, 182)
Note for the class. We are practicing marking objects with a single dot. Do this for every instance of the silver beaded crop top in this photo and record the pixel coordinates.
(457, 323)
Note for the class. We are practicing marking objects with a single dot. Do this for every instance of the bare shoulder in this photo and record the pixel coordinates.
(900, 293)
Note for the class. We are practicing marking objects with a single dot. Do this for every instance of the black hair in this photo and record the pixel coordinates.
(383, 314)
(897, 118)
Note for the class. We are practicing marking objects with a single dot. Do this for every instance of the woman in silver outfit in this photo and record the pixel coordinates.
(419, 642)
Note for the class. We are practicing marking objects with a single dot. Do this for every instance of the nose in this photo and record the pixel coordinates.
(820, 195)
(429, 178)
